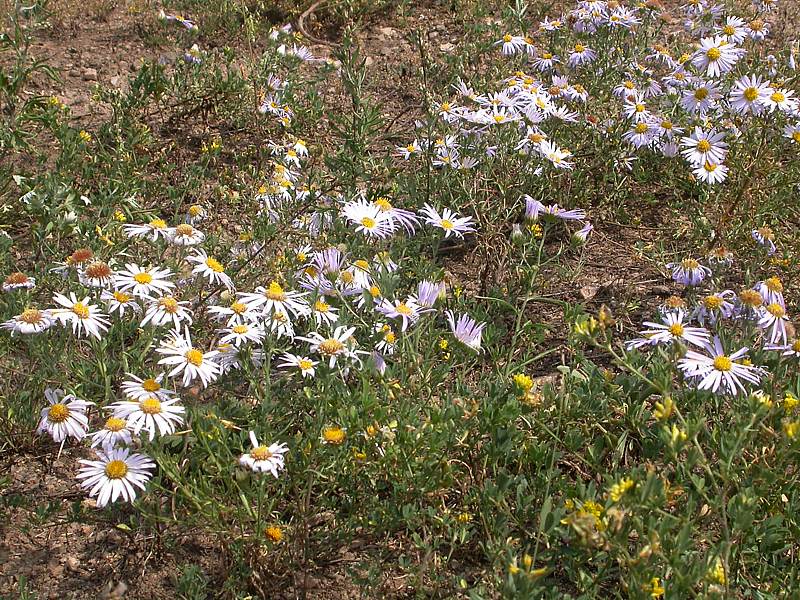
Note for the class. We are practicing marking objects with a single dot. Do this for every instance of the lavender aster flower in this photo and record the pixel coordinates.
(466, 330)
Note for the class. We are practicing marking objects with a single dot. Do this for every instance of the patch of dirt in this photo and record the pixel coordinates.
(42, 544)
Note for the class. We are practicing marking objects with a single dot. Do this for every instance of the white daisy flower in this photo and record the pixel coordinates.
(237, 312)
(144, 282)
(82, 315)
(150, 414)
(262, 459)
(302, 363)
(704, 147)
(31, 320)
(333, 347)
(18, 281)
(716, 371)
(188, 360)
(154, 229)
(114, 433)
(185, 235)
(120, 302)
(242, 333)
(368, 218)
(275, 299)
(324, 313)
(448, 221)
(748, 94)
(65, 417)
(96, 274)
(210, 268)
(137, 388)
(115, 474)
(167, 309)
(673, 328)
(773, 319)
(281, 324)
(716, 56)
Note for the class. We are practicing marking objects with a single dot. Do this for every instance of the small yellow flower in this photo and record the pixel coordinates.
(664, 409)
(274, 533)
(464, 517)
(656, 589)
(717, 573)
(523, 382)
(791, 429)
(676, 435)
(619, 489)
(790, 402)
(535, 229)
(333, 435)
(443, 344)
(119, 216)
(85, 136)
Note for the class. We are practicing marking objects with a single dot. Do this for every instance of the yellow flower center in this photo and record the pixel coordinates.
(710, 167)
(321, 306)
(150, 406)
(275, 292)
(383, 204)
(16, 278)
(169, 304)
(158, 224)
(121, 297)
(331, 346)
(776, 310)
(778, 97)
(58, 413)
(240, 329)
(666, 125)
(403, 309)
(116, 469)
(305, 364)
(676, 329)
(700, 93)
(713, 53)
(796, 345)
(80, 310)
(184, 229)
(31, 316)
(98, 270)
(238, 308)
(195, 210)
(507, 38)
(194, 357)
(712, 302)
(390, 337)
(723, 363)
(347, 277)
(375, 291)
(274, 533)
(640, 108)
(641, 128)
(796, 136)
(750, 94)
(214, 265)
(756, 25)
(751, 298)
(579, 48)
(362, 264)
(446, 224)
(115, 424)
(774, 284)
(143, 278)
(728, 30)
(333, 435)
(151, 385)
(689, 263)
(703, 146)
(261, 453)
(368, 222)
(547, 56)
